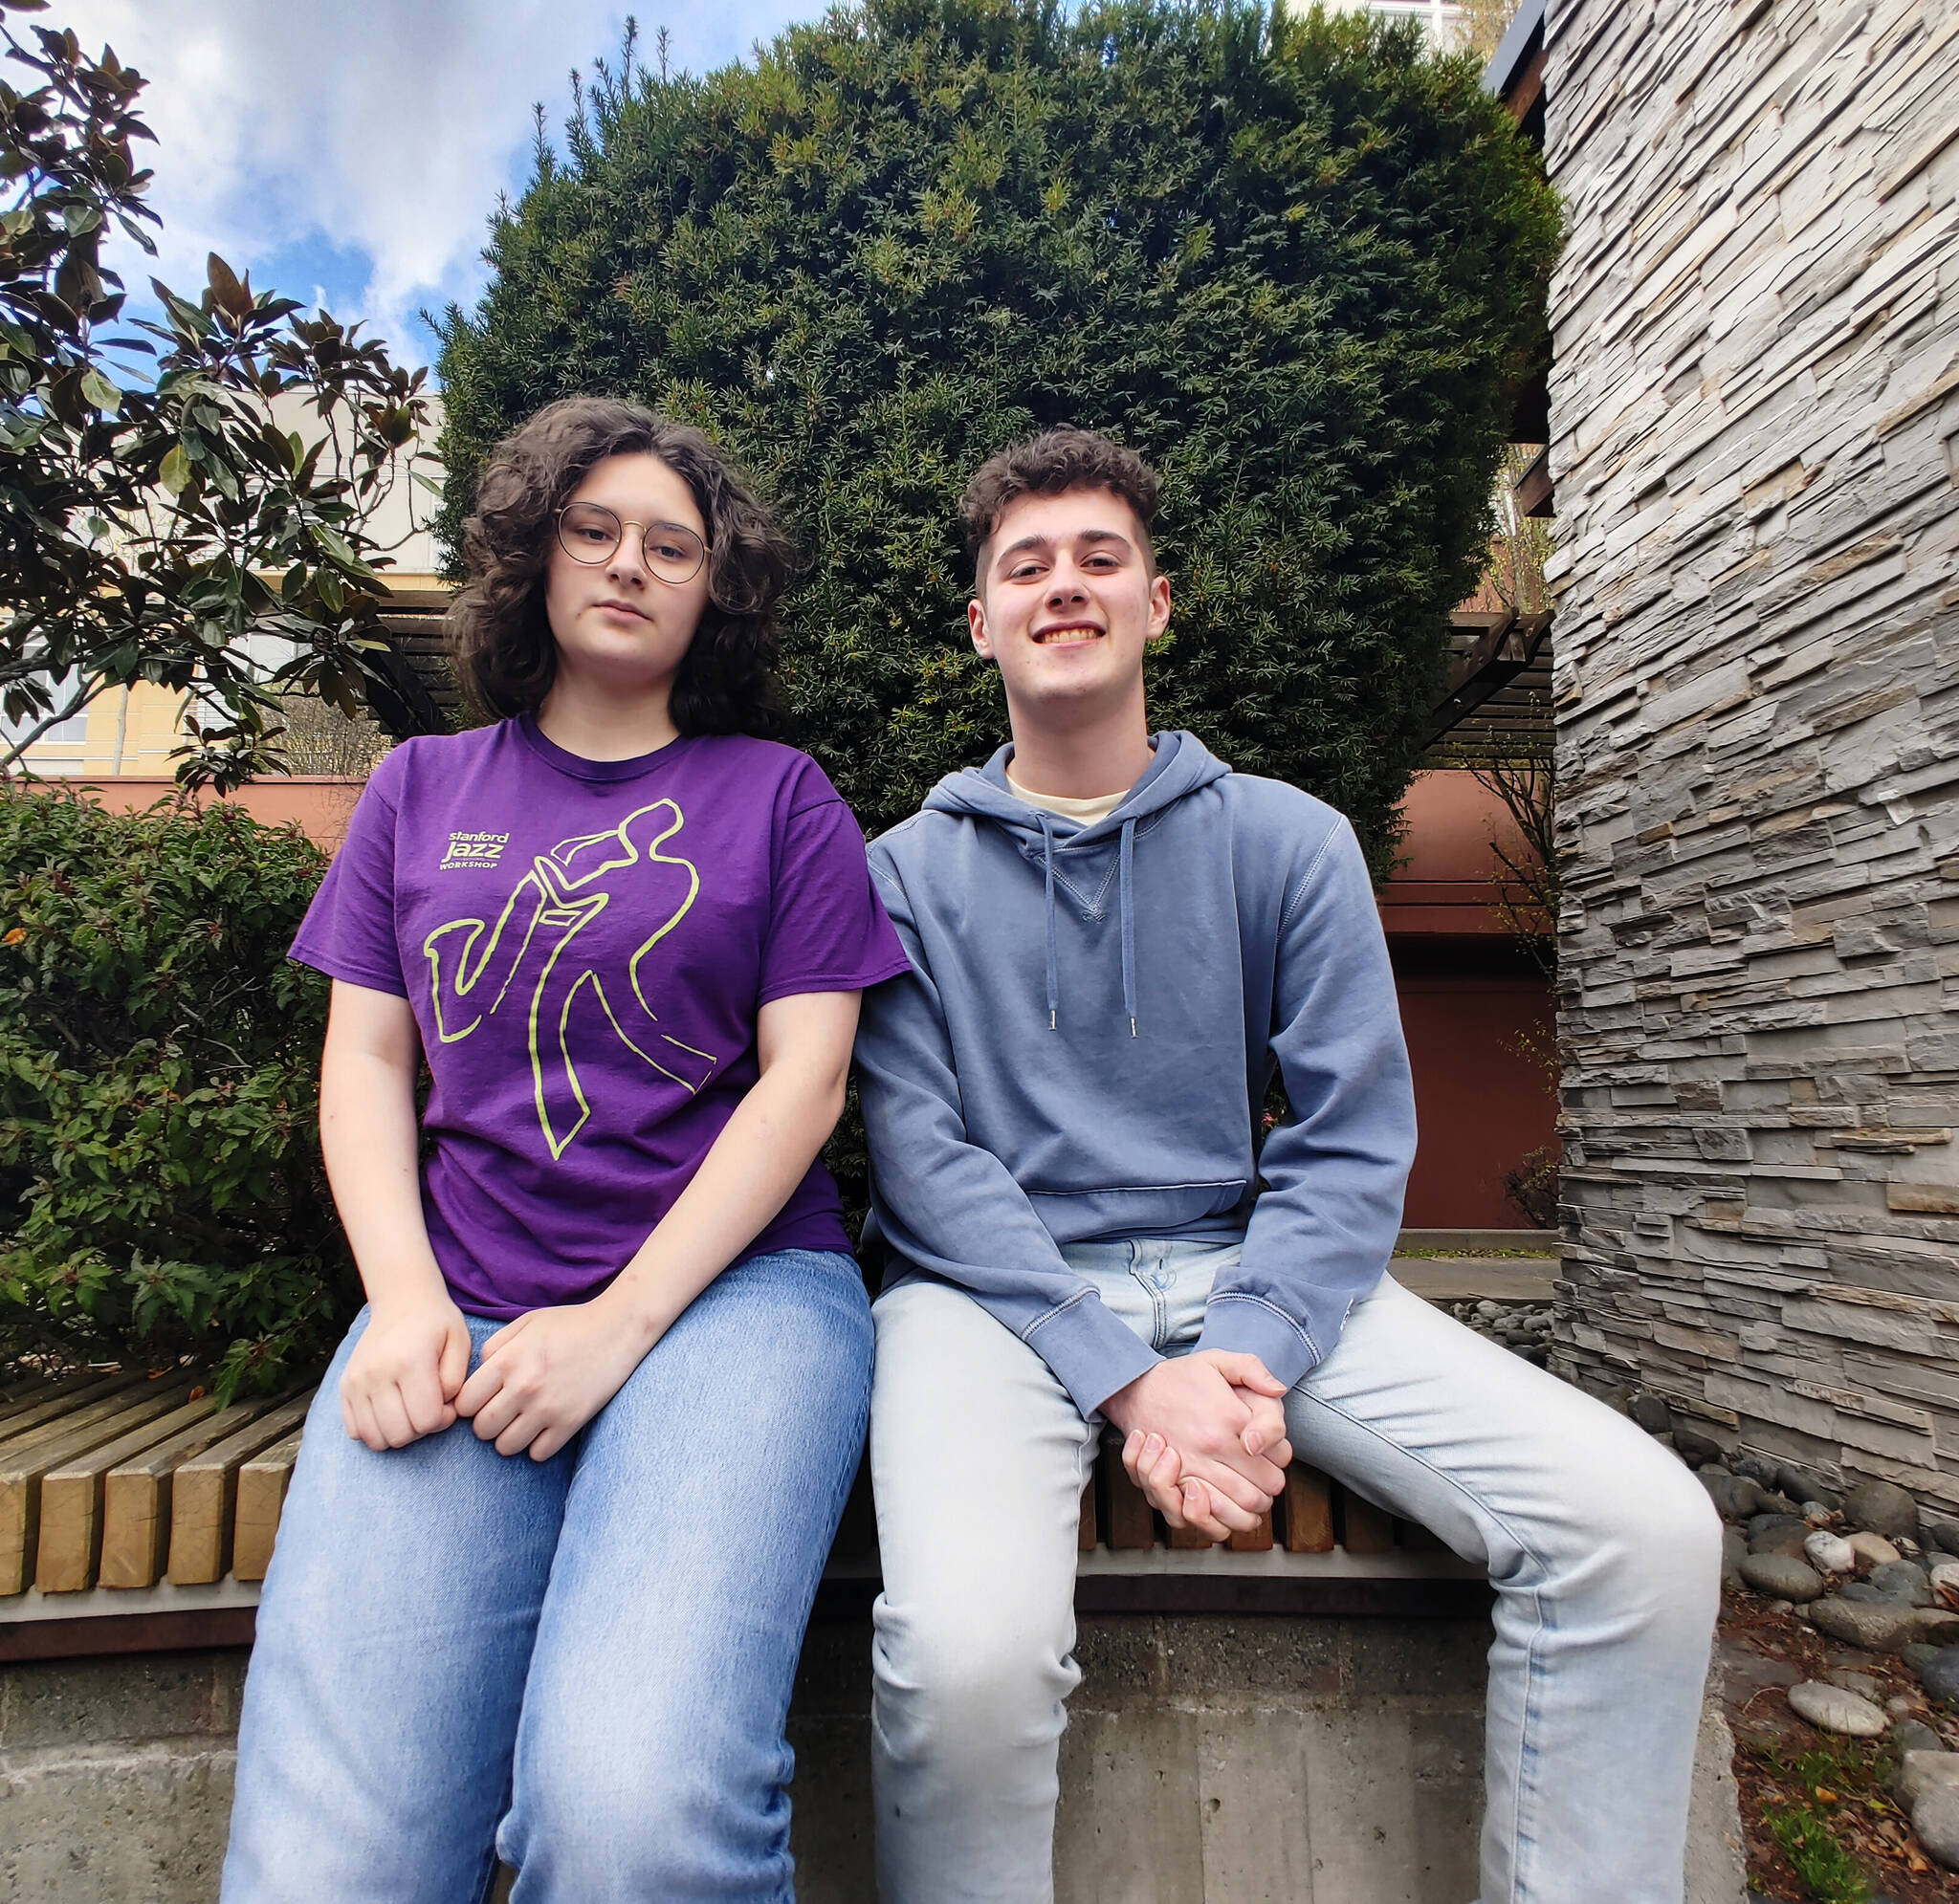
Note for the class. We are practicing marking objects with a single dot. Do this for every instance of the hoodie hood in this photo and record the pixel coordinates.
(1182, 764)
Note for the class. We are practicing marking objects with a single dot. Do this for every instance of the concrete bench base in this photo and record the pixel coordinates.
(1208, 1760)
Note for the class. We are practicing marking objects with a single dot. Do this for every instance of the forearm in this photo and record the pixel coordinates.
(370, 1140)
(752, 1169)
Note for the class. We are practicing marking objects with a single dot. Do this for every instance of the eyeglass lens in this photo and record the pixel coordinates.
(590, 533)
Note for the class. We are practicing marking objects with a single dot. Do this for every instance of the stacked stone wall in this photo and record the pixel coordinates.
(1755, 419)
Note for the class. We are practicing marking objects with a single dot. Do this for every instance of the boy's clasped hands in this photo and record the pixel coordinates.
(1204, 1439)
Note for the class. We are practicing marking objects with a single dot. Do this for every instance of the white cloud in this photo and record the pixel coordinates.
(384, 128)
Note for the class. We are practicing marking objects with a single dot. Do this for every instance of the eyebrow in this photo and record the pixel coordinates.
(1028, 542)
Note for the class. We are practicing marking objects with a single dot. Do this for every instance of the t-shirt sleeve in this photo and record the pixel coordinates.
(828, 931)
(349, 929)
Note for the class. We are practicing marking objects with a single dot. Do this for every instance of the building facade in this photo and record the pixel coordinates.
(1754, 444)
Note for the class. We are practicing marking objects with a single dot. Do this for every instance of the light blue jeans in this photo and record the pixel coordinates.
(1604, 1550)
(587, 1659)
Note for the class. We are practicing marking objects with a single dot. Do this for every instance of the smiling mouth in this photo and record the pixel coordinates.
(1073, 631)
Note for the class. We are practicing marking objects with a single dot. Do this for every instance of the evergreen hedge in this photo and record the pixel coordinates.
(160, 1186)
(1297, 261)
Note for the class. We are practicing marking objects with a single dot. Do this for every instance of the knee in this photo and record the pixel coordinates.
(678, 1805)
(1656, 1538)
(970, 1682)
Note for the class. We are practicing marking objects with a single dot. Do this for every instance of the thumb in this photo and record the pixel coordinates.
(455, 1363)
(1247, 1371)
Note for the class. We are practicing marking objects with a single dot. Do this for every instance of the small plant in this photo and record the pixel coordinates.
(1828, 1871)
(1811, 1793)
(1533, 1186)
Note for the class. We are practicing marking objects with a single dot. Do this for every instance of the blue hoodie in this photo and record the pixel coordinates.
(1081, 1049)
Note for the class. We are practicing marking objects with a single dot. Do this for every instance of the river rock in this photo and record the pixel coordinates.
(1652, 1414)
(1734, 1495)
(1914, 1735)
(1782, 1578)
(1937, 1530)
(1695, 1449)
(1937, 1626)
(1734, 1549)
(1935, 1818)
(1883, 1508)
(1879, 1627)
(1940, 1676)
(1873, 1549)
(1831, 1708)
(1801, 1484)
(1865, 1594)
(1945, 1582)
(1831, 1552)
(1920, 1771)
(1903, 1581)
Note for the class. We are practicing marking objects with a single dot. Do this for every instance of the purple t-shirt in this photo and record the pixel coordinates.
(585, 944)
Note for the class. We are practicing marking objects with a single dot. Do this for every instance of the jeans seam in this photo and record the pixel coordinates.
(1534, 1673)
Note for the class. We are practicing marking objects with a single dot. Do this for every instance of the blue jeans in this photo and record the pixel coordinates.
(587, 1659)
(1604, 1550)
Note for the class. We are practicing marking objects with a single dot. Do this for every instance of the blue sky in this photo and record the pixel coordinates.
(350, 151)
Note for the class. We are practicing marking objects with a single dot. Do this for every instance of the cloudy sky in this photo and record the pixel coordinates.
(350, 150)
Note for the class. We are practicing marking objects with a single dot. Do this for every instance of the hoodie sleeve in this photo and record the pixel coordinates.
(1323, 1229)
(951, 1207)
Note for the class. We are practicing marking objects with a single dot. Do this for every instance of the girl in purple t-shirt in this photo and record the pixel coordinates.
(568, 1486)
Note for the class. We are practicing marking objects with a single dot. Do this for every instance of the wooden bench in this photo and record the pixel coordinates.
(136, 1513)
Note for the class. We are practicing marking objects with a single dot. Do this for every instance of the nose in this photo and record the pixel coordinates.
(1065, 586)
(629, 562)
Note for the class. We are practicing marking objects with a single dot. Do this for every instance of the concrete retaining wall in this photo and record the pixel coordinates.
(1208, 1760)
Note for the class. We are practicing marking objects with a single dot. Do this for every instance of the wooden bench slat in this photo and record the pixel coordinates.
(262, 1483)
(70, 1542)
(1131, 1523)
(24, 1462)
(1257, 1541)
(1368, 1530)
(205, 1489)
(59, 1414)
(1085, 1533)
(35, 1402)
(135, 1495)
(1308, 1503)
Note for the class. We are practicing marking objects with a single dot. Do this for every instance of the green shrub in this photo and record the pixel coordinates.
(159, 1092)
(1298, 261)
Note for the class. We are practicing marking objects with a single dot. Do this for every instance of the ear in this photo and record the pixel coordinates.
(975, 622)
(1159, 605)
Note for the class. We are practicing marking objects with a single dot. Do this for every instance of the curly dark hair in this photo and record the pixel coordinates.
(498, 635)
(1052, 463)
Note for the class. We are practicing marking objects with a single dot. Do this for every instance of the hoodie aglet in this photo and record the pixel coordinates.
(1132, 1027)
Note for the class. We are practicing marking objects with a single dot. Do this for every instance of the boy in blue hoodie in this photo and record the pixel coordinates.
(1115, 942)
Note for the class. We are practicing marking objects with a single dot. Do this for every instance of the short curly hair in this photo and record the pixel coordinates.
(1052, 463)
(498, 635)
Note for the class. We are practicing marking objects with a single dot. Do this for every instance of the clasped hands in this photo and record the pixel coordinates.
(1204, 1439)
(540, 1379)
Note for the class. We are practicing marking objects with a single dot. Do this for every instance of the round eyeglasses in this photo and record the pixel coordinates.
(590, 533)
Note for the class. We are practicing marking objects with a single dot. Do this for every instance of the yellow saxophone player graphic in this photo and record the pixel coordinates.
(551, 906)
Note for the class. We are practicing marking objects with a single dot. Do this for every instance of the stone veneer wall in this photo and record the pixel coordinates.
(1755, 419)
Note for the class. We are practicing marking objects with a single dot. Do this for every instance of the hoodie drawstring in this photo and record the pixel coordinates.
(1053, 960)
(1125, 863)
(1126, 900)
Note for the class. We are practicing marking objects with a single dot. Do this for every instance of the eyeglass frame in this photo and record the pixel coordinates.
(625, 523)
